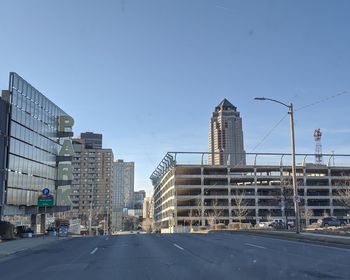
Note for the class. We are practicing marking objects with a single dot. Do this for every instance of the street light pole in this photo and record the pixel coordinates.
(294, 177)
(107, 231)
(90, 212)
(295, 189)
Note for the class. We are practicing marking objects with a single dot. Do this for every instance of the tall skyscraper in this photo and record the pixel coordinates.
(139, 197)
(92, 182)
(226, 136)
(123, 191)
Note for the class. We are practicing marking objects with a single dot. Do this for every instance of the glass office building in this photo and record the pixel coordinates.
(34, 143)
(4, 107)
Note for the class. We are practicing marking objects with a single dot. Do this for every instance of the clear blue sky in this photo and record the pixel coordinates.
(148, 74)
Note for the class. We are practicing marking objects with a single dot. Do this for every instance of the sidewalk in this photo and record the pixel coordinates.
(16, 246)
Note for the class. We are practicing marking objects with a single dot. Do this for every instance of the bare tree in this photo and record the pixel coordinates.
(147, 224)
(191, 215)
(284, 198)
(306, 214)
(197, 212)
(215, 213)
(84, 219)
(240, 210)
(344, 197)
(130, 223)
(211, 219)
(200, 209)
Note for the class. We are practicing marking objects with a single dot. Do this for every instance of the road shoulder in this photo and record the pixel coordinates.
(321, 239)
(14, 247)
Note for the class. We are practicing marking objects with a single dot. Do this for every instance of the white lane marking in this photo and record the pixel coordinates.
(93, 251)
(253, 245)
(107, 238)
(179, 247)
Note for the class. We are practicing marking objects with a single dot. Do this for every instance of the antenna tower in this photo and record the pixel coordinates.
(318, 146)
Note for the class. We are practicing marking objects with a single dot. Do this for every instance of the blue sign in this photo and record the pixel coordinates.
(45, 191)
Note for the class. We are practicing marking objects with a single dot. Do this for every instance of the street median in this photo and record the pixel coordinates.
(334, 240)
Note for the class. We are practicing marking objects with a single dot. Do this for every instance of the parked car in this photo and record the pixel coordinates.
(330, 221)
(280, 224)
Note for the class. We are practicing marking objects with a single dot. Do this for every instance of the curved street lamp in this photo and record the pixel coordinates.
(296, 198)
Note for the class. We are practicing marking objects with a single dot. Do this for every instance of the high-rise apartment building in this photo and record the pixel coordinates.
(35, 151)
(123, 188)
(123, 191)
(139, 197)
(226, 136)
(92, 182)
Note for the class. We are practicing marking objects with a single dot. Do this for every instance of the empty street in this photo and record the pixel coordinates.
(178, 256)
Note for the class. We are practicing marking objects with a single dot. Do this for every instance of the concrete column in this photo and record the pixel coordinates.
(42, 223)
(202, 198)
(330, 192)
(229, 197)
(33, 222)
(256, 197)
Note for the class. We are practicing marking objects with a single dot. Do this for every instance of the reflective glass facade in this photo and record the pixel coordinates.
(3, 147)
(34, 144)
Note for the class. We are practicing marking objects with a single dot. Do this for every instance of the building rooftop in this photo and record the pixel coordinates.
(253, 159)
(225, 104)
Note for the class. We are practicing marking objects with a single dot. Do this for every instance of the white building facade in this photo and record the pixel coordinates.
(187, 195)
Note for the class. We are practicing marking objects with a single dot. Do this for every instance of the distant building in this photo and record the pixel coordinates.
(92, 182)
(226, 136)
(147, 211)
(91, 140)
(35, 152)
(123, 184)
(123, 191)
(139, 196)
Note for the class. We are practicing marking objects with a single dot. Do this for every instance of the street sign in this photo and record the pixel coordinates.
(45, 201)
(45, 191)
(296, 198)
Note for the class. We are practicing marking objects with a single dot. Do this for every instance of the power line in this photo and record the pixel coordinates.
(321, 101)
(269, 133)
(298, 109)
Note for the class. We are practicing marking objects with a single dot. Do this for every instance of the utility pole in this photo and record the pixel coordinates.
(296, 198)
(90, 211)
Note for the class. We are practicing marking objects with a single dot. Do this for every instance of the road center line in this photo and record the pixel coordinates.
(93, 251)
(253, 245)
(179, 247)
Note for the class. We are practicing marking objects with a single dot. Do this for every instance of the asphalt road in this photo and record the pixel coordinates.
(178, 256)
